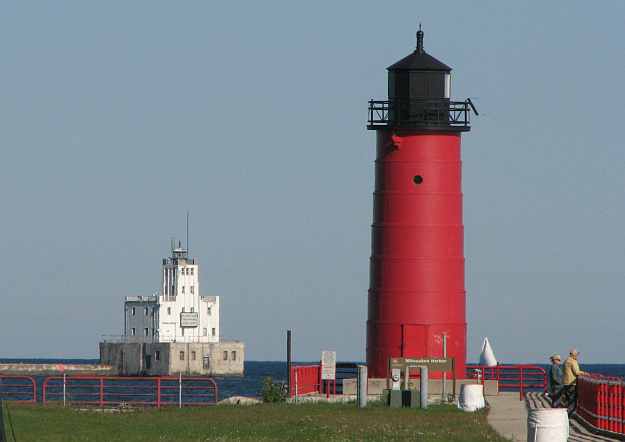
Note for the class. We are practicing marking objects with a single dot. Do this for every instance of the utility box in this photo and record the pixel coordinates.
(403, 398)
(411, 398)
(394, 398)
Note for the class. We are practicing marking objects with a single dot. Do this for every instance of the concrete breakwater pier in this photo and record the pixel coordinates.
(27, 369)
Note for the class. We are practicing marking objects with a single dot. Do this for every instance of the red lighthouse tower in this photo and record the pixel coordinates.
(417, 293)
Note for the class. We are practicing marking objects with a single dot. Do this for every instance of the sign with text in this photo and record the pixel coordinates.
(328, 365)
(433, 364)
(404, 365)
(189, 319)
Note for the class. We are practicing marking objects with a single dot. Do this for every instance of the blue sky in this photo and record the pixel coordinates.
(116, 117)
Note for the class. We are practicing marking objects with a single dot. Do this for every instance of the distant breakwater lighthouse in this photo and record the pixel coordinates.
(417, 293)
(175, 330)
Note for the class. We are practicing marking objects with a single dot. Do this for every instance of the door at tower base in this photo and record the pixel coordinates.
(415, 341)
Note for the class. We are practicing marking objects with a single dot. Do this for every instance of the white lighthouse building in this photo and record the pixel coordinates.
(179, 313)
(175, 330)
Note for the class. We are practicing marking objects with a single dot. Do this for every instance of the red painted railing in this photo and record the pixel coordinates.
(601, 402)
(519, 377)
(306, 379)
(18, 389)
(116, 390)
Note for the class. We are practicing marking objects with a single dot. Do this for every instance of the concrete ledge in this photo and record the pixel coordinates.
(435, 386)
(42, 369)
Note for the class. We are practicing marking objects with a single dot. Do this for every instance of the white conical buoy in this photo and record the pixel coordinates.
(487, 357)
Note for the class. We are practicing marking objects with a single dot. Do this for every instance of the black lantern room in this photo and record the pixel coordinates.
(419, 89)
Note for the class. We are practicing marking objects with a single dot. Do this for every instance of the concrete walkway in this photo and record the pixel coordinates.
(508, 416)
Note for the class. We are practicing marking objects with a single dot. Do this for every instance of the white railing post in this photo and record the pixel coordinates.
(180, 390)
(64, 387)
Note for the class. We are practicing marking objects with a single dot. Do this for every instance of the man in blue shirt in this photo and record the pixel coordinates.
(554, 379)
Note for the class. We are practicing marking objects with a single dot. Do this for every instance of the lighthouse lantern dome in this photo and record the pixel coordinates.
(419, 76)
(419, 90)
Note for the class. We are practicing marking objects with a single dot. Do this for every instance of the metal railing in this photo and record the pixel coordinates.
(420, 113)
(155, 391)
(163, 339)
(517, 377)
(601, 403)
(306, 379)
(18, 389)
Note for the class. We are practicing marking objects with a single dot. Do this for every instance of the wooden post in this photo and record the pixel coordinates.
(289, 362)
(158, 392)
(101, 392)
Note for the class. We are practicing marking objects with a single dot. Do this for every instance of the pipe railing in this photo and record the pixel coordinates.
(514, 377)
(601, 402)
(18, 388)
(155, 391)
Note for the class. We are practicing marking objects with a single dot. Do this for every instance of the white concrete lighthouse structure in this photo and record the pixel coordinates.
(175, 330)
(179, 313)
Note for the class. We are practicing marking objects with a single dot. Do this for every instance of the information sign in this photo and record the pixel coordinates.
(189, 319)
(328, 365)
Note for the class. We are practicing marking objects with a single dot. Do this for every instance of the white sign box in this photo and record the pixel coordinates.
(328, 365)
(189, 319)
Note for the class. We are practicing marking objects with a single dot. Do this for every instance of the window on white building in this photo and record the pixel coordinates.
(146, 311)
(182, 309)
(192, 309)
(192, 289)
(208, 310)
(157, 355)
(133, 311)
(169, 310)
(183, 289)
(182, 331)
(225, 355)
(182, 355)
(132, 331)
(205, 331)
(233, 355)
(193, 356)
(146, 331)
(192, 270)
(213, 331)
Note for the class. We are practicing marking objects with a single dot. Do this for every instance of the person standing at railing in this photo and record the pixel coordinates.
(569, 377)
(554, 379)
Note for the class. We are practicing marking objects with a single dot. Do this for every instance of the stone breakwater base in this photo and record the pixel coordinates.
(55, 369)
(224, 358)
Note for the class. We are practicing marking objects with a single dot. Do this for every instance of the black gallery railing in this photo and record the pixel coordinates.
(420, 113)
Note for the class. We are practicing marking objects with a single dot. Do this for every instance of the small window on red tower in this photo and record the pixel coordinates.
(418, 179)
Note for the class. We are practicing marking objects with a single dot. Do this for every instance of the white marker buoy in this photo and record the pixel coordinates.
(487, 356)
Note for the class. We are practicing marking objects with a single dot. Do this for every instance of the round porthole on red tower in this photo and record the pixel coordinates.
(418, 179)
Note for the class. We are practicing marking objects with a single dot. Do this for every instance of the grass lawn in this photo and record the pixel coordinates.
(306, 422)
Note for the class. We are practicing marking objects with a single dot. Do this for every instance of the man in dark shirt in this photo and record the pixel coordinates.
(554, 379)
